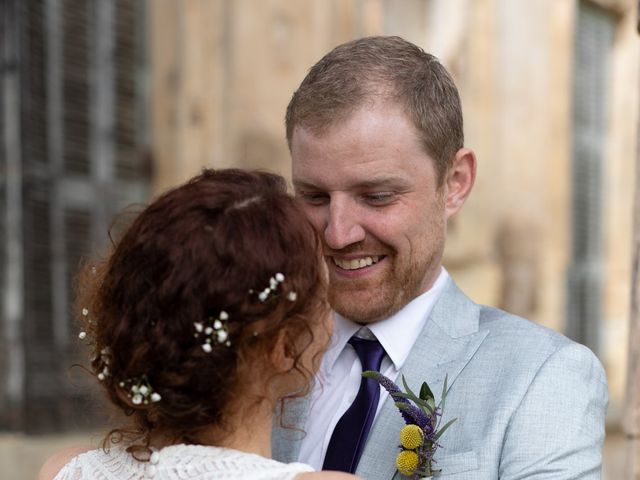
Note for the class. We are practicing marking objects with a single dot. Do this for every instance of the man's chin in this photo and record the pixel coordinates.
(360, 307)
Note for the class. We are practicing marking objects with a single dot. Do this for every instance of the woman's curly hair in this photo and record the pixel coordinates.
(208, 246)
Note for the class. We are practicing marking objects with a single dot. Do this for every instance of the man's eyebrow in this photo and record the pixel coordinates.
(305, 185)
(383, 182)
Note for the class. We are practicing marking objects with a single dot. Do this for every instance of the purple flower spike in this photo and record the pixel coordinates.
(411, 413)
(421, 410)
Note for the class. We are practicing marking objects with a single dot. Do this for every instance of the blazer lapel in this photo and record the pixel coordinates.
(288, 429)
(446, 344)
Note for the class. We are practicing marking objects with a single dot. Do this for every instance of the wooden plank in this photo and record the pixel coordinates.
(631, 422)
(101, 98)
(12, 393)
(102, 114)
(165, 78)
(55, 151)
(189, 66)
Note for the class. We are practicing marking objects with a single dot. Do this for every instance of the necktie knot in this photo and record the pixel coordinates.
(370, 352)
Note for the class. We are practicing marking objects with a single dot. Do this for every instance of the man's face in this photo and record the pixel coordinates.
(370, 190)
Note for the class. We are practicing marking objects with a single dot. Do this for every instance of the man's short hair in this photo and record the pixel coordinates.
(378, 67)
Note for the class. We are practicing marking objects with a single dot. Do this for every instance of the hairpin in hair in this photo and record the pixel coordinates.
(214, 329)
(139, 390)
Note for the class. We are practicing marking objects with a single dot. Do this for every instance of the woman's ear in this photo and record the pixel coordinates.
(281, 355)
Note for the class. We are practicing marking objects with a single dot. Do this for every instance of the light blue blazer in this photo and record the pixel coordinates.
(530, 403)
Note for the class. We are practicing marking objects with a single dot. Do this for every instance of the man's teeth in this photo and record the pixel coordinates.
(356, 263)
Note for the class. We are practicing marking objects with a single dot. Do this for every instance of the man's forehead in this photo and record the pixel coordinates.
(321, 125)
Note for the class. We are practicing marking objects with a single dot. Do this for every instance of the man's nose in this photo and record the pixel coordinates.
(343, 226)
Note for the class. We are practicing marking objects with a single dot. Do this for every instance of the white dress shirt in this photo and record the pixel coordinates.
(338, 379)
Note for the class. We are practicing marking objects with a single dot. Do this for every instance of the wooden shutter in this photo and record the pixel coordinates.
(41, 359)
(81, 133)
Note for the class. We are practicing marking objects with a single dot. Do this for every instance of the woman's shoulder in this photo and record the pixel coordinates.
(58, 460)
(326, 476)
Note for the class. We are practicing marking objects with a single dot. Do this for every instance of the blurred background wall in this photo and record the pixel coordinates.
(105, 103)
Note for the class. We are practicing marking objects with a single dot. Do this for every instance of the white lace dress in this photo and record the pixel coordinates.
(179, 462)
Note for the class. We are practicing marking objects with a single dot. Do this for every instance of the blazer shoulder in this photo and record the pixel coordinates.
(526, 354)
(505, 324)
(523, 338)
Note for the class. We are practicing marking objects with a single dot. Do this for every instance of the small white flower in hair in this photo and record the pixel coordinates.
(274, 282)
(217, 326)
(140, 391)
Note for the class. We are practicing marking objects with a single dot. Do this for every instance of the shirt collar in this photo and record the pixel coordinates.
(396, 334)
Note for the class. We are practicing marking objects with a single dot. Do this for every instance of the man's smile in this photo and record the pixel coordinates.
(357, 263)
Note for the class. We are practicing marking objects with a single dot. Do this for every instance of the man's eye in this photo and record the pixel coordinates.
(314, 198)
(379, 198)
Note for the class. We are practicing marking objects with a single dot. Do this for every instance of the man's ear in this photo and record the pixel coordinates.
(281, 354)
(459, 180)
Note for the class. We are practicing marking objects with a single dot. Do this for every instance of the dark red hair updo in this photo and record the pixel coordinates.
(208, 246)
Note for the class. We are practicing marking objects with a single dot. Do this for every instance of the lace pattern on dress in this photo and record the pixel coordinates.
(178, 462)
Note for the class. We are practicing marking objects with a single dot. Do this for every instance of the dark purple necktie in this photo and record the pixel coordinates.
(351, 432)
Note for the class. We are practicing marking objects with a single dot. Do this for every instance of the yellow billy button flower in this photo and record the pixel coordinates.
(411, 437)
(407, 462)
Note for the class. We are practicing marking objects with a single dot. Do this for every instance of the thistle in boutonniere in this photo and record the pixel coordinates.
(419, 437)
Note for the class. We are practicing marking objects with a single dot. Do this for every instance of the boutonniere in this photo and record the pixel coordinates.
(419, 437)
